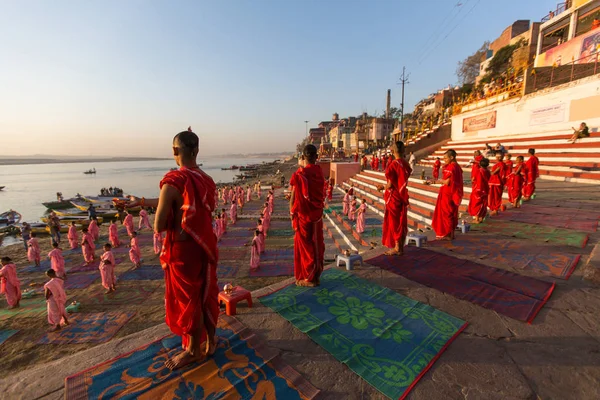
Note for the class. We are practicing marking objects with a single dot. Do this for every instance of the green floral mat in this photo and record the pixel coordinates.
(387, 339)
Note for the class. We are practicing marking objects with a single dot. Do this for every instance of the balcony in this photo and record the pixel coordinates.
(560, 8)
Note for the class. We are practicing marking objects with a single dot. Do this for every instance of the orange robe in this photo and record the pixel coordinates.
(496, 187)
(532, 174)
(307, 220)
(515, 189)
(436, 169)
(395, 219)
(191, 290)
(480, 189)
(445, 216)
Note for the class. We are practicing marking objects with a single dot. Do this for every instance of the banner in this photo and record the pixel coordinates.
(480, 122)
(582, 49)
(547, 115)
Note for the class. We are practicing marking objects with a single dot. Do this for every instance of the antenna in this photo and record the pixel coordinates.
(403, 81)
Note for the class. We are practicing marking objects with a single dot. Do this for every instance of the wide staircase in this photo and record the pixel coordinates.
(560, 160)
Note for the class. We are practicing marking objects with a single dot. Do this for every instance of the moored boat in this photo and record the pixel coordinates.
(79, 219)
(2, 187)
(58, 205)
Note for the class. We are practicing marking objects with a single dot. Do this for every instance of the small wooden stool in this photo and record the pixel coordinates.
(348, 260)
(231, 299)
(418, 239)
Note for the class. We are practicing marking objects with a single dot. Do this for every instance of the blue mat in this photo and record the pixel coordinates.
(387, 339)
(226, 271)
(144, 273)
(88, 328)
(44, 266)
(81, 281)
(5, 334)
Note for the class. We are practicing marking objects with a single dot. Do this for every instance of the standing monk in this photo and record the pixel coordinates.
(532, 174)
(395, 221)
(479, 192)
(306, 210)
(496, 184)
(72, 236)
(128, 222)
(445, 216)
(190, 254)
(144, 221)
(436, 168)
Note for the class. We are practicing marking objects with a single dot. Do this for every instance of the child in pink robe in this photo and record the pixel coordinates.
(128, 222)
(157, 241)
(346, 203)
(113, 234)
(107, 269)
(88, 247)
(33, 250)
(135, 253)
(230, 194)
(248, 194)
(360, 220)
(93, 229)
(9, 283)
(352, 210)
(72, 236)
(57, 261)
(255, 253)
(258, 189)
(261, 237)
(223, 222)
(270, 201)
(144, 221)
(217, 226)
(233, 213)
(266, 219)
(54, 291)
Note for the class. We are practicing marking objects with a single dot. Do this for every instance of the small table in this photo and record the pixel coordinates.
(348, 260)
(231, 299)
(417, 238)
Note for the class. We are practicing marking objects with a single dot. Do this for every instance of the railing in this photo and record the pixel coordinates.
(560, 8)
(494, 95)
(546, 77)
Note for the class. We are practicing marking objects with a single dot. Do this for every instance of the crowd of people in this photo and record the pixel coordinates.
(111, 192)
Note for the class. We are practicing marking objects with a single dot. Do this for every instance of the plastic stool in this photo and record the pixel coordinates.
(464, 228)
(416, 238)
(348, 260)
(231, 299)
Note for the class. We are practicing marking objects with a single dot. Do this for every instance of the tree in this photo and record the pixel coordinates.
(501, 60)
(468, 69)
(394, 113)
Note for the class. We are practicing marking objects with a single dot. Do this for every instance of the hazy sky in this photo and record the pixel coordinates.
(122, 77)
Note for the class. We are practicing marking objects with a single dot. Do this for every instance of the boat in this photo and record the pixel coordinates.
(58, 205)
(109, 214)
(100, 207)
(230, 168)
(63, 229)
(248, 168)
(2, 187)
(103, 199)
(90, 171)
(79, 219)
(10, 217)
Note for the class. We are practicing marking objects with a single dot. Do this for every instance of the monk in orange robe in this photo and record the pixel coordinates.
(532, 174)
(306, 209)
(395, 219)
(445, 216)
(190, 255)
(480, 188)
(518, 177)
(496, 184)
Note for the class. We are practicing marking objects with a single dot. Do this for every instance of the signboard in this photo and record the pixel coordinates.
(547, 115)
(480, 122)
(582, 49)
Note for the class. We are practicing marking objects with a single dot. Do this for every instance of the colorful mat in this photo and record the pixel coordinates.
(242, 368)
(565, 211)
(556, 221)
(124, 295)
(27, 308)
(243, 223)
(82, 280)
(233, 242)
(387, 339)
(5, 334)
(277, 255)
(373, 221)
(91, 267)
(44, 266)
(229, 253)
(144, 273)
(537, 233)
(88, 328)
(516, 296)
(288, 233)
(227, 271)
(285, 268)
(238, 233)
(280, 224)
(513, 254)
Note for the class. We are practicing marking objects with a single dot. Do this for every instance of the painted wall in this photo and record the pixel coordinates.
(583, 49)
(555, 109)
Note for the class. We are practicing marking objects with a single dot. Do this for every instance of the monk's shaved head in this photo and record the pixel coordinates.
(310, 153)
(451, 153)
(187, 142)
(398, 147)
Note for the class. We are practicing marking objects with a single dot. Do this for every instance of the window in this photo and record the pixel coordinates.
(585, 21)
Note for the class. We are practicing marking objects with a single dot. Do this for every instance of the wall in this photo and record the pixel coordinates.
(343, 171)
(550, 110)
(582, 49)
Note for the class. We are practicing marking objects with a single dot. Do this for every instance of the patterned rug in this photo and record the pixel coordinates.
(538, 233)
(288, 233)
(88, 328)
(563, 211)
(227, 271)
(82, 280)
(557, 221)
(387, 339)
(513, 254)
(243, 223)
(229, 253)
(238, 233)
(277, 255)
(242, 368)
(5, 334)
(144, 273)
(280, 224)
(125, 294)
(44, 266)
(516, 296)
(233, 242)
(283, 268)
(95, 266)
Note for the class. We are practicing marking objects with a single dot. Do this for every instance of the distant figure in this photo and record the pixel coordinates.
(595, 23)
(261, 237)
(346, 203)
(33, 251)
(9, 283)
(135, 253)
(352, 210)
(255, 252)
(54, 224)
(532, 174)
(93, 229)
(128, 222)
(57, 261)
(445, 215)
(113, 234)
(72, 236)
(233, 212)
(478, 202)
(25, 234)
(144, 221)
(54, 292)
(91, 212)
(412, 161)
(360, 219)
(107, 269)
(582, 132)
(519, 175)
(88, 247)
(496, 185)
(436, 168)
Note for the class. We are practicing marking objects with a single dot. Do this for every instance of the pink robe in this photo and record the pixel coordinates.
(10, 285)
(248, 195)
(261, 240)
(144, 221)
(271, 199)
(352, 211)
(346, 204)
(73, 237)
(88, 247)
(135, 252)
(223, 224)
(258, 191)
(56, 301)
(360, 220)
(233, 213)
(266, 221)
(107, 269)
(230, 194)
(157, 241)
(94, 230)
(217, 228)
(33, 250)
(113, 235)
(57, 262)
(255, 254)
(128, 222)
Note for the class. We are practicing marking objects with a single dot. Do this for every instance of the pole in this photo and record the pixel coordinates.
(403, 81)
(306, 123)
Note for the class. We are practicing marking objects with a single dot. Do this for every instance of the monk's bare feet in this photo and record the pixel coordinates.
(494, 212)
(54, 328)
(182, 359)
(393, 252)
(211, 346)
(305, 283)
(445, 239)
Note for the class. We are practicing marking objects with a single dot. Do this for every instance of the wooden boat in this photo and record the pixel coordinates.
(103, 199)
(58, 205)
(63, 229)
(109, 214)
(100, 207)
(2, 187)
(79, 219)
(90, 171)
(10, 217)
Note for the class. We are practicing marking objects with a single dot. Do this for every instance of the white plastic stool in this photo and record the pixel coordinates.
(349, 260)
(464, 228)
(416, 238)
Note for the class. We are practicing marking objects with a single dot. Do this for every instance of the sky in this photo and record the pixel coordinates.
(122, 77)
